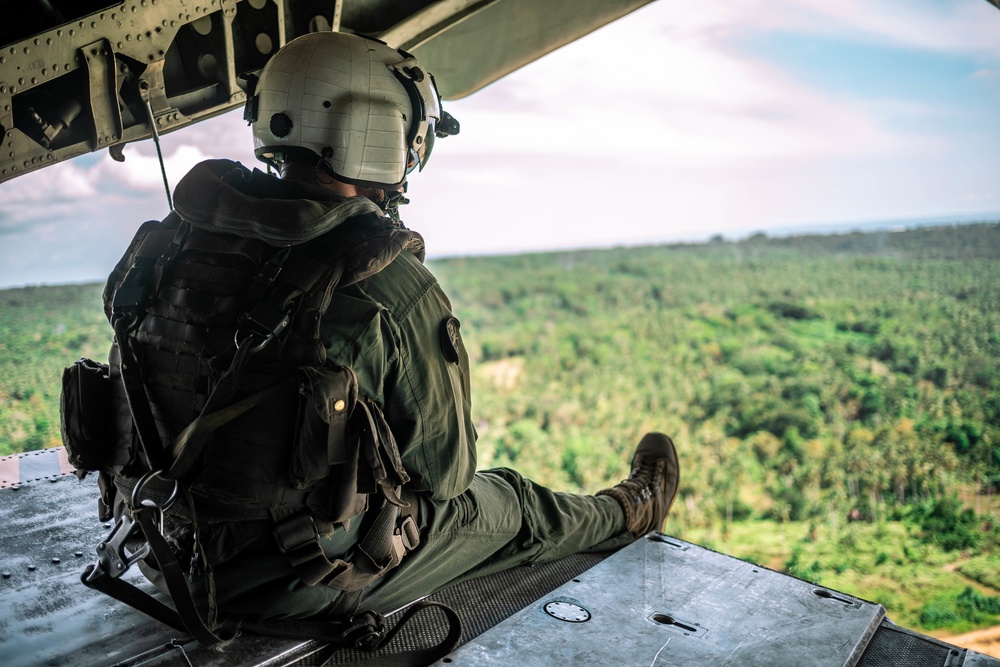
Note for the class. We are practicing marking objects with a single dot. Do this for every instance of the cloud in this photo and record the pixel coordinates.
(665, 126)
(58, 191)
(957, 26)
(674, 87)
(141, 172)
(986, 73)
(963, 26)
(65, 181)
(52, 193)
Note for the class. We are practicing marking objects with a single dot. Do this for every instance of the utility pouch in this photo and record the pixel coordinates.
(85, 415)
(327, 396)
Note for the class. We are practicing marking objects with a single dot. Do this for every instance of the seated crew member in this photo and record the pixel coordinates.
(343, 119)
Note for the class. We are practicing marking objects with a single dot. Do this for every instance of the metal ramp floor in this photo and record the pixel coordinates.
(659, 601)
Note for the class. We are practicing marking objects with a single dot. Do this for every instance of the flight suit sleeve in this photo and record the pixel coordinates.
(396, 330)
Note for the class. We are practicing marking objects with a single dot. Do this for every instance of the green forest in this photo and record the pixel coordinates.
(835, 400)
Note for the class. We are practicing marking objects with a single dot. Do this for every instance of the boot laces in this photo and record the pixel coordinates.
(642, 480)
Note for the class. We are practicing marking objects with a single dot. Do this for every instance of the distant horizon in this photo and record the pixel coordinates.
(830, 229)
(835, 228)
(806, 229)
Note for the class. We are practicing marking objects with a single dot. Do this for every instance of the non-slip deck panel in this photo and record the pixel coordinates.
(481, 603)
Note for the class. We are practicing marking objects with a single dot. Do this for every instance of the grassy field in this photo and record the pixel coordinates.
(920, 585)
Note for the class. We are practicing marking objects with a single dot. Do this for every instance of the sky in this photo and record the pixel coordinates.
(679, 122)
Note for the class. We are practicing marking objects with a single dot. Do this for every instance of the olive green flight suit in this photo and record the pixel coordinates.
(392, 330)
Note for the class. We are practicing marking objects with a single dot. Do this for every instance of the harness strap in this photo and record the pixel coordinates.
(138, 400)
(187, 448)
(361, 631)
(367, 631)
(298, 538)
(186, 617)
(387, 540)
(96, 578)
(177, 585)
(381, 451)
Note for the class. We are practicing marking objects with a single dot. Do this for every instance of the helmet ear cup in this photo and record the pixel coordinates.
(418, 118)
(426, 102)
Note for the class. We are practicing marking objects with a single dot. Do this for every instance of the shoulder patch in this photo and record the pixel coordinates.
(450, 340)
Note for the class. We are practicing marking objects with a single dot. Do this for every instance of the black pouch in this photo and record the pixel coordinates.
(85, 415)
(327, 396)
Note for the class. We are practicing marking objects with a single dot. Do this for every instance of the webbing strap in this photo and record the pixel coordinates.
(381, 451)
(298, 538)
(96, 578)
(383, 546)
(189, 444)
(186, 617)
(361, 631)
(177, 585)
(389, 537)
(138, 400)
(367, 631)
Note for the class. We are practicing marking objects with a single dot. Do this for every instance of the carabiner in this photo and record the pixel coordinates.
(113, 558)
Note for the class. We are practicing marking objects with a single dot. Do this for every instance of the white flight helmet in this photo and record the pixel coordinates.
(369, 111)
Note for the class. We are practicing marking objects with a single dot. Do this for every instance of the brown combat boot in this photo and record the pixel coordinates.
(648, 493)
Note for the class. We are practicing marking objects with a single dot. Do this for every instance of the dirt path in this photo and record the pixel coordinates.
(986, 641)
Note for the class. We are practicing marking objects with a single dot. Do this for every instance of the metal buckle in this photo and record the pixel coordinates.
(140, 486)
(366, 630)
(263, 323)
(410, 533)
(112, 557)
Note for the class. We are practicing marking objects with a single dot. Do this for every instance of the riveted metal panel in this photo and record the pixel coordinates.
(665, 601)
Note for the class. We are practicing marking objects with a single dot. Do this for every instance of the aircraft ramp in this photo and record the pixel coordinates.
(659, 601)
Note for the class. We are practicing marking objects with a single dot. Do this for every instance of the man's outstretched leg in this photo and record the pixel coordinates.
(505, 520)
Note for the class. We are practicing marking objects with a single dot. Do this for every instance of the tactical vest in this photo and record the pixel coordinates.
(218, 406)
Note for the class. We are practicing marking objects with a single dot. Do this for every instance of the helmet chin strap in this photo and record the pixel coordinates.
(393, 200)
(323, 167)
